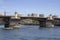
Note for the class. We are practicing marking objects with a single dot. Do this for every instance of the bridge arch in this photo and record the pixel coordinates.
(41, 21)
(29, 21)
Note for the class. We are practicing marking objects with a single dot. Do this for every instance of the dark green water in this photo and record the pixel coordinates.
(30, 32)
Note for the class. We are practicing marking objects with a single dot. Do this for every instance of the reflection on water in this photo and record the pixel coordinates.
(30, 32)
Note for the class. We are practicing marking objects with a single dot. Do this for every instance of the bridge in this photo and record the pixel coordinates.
(10, 21)
(13, 21)
(44, 21)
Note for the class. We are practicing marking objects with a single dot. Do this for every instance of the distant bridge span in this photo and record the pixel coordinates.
(43, 22)
(56, 21)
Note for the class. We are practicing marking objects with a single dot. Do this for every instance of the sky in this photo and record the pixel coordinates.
(25, 7)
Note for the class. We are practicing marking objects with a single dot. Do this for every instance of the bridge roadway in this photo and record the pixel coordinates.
(43, 22)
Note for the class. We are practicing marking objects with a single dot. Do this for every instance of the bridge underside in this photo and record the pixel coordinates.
(57, 21)
(43, 22)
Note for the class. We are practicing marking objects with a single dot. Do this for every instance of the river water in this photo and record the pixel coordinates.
(30, 32)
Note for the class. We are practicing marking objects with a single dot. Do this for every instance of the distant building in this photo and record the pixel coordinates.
(17, 14)
(32, 15)
(41, 15)
(55, 16)
(29, 15)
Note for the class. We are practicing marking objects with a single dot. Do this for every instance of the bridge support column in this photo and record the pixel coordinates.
(7, 22)
(42, 23)
(49, 23)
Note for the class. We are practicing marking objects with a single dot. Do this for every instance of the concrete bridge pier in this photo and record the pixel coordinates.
(42, 23)
(49, 23)
(6, 22)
